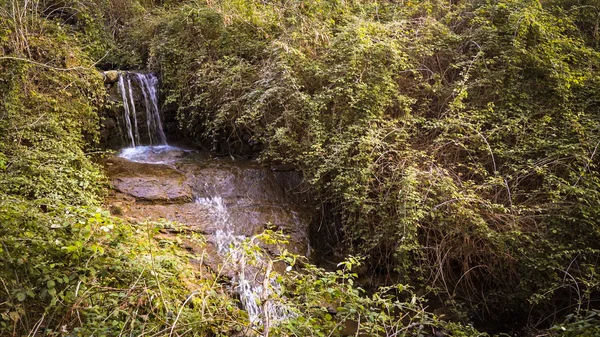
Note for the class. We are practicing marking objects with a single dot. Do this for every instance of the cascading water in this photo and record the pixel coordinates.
(251, 292)
(127, 113)
(257, 290)
(133, 112)
(148, 86)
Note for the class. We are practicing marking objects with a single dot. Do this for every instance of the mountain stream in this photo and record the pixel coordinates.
(229, 201)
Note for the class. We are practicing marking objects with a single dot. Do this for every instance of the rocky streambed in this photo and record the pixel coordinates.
(191, 188)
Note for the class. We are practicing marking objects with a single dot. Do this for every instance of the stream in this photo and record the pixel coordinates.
(228, 201)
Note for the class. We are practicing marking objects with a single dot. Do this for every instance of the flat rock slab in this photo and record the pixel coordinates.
(149, 182)
(243, 220)
(208, 195)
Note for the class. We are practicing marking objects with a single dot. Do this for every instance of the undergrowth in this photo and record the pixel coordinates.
(453, 143)
(80, 272)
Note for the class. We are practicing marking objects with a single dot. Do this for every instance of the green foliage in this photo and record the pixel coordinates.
(315, 302)
(50, 97)
(82, 272)
(331, 304)
(580, 326)
(456, 143)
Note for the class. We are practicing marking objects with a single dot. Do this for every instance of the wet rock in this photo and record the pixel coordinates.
(208, 195)
(109, 124)
(146, 182)
(166, 189)
(110, 134)
(220, 266)
(190, 214)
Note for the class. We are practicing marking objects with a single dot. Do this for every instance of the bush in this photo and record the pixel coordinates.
(454, 143)
(82, 272)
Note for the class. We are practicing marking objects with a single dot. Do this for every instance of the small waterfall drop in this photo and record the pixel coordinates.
(147, 84)
(127, 113)
(133, 113)
(252, 291)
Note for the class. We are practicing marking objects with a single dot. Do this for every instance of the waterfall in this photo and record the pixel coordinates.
(252, 292)
(127, 114)
(133, 112)
(147, 84)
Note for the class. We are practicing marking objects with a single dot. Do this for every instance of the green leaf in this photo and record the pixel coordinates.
(20, 296)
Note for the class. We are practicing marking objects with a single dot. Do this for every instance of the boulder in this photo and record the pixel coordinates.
(111, 76)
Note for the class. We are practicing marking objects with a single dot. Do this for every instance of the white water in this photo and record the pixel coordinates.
(148, 86)
(133, 112)
(127, 114)
(250, 289)
(148, 83)
(249, 281)
(159, 154)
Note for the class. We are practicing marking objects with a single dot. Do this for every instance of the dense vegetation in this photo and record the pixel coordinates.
(456, 142)
(453, 143)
